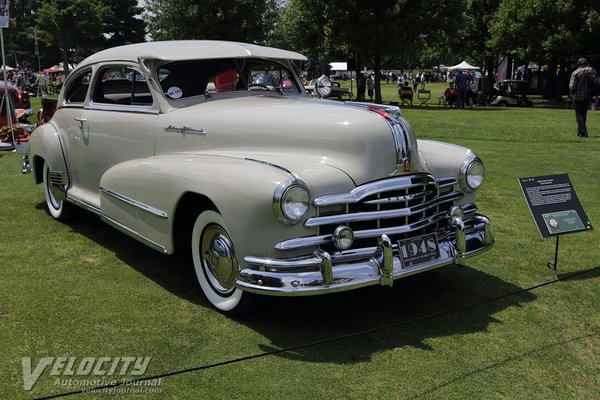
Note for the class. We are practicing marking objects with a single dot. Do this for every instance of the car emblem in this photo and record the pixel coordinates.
(185, 129)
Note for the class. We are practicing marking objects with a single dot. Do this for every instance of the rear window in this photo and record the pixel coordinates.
(78, 87)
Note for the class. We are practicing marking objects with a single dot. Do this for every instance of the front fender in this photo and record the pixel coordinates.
(241, 189)
(45, 145)
(444, 160)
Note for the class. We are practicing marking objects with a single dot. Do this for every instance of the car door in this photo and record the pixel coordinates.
(117, 125)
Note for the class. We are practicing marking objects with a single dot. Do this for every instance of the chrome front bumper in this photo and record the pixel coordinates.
(323, 273)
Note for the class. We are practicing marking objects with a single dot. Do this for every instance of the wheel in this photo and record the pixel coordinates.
(59, 209)
(216, 264)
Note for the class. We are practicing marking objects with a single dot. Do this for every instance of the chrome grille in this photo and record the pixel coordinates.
(399, 207)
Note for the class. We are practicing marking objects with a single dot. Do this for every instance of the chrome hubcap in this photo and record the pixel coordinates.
(218, 259)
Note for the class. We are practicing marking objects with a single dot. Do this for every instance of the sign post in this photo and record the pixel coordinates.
(554, 207)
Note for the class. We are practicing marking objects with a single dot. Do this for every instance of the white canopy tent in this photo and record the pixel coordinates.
(463, 66)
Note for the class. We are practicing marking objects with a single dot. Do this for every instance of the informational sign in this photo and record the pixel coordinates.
(554, 205)
(4, 17)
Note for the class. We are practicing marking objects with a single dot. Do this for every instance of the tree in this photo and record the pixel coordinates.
(238, 20)
(376, 32)
(122, 25)
(73, 25)
(546, 30)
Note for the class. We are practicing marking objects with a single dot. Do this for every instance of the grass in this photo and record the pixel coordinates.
(83, 289)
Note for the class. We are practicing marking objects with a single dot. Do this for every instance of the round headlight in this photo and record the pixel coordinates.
(471, 173)
(475, 175)
(291, 202)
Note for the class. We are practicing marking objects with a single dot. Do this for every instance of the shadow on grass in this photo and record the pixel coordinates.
(289, 322)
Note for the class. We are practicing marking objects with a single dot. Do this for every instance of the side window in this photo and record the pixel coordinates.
(121, 85)
(78, 87)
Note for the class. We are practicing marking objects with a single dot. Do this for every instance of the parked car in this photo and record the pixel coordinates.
(275, 193)
(18, 98)
(511, 92)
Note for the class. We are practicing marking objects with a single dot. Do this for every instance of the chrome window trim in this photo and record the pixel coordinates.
(122, 108)
(135, 203)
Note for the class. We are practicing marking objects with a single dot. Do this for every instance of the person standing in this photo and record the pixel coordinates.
(370, 87)
(461, 81)
(581, 86)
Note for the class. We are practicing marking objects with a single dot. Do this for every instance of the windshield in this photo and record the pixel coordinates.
(184, 79)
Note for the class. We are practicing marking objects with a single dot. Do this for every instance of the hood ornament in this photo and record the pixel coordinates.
(185, 129)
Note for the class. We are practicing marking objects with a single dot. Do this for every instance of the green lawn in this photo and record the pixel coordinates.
(85, 290)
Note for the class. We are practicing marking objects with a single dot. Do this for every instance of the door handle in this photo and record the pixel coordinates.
(80, 119)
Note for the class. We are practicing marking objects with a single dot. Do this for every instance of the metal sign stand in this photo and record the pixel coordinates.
(552, 265)
(6, 96)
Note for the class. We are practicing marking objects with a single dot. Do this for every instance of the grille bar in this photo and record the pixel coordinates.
(359, 193)
(386, 214)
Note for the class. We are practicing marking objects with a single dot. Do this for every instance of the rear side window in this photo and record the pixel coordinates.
(122, 85)
(78, 87)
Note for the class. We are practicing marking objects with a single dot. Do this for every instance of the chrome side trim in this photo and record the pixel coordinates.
(359, 193)
(59, 178)
(134, 234)
(369, 215)
(270, 165)
(135, 203)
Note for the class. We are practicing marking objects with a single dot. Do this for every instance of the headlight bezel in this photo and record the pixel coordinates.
(279, 200)
(466, 168)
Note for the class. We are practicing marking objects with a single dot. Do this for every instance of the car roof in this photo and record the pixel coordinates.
(188, 50)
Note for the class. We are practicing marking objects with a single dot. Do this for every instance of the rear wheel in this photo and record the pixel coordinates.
(59, 209)
(216, 264)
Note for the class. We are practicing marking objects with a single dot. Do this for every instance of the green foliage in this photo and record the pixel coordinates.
(72, 24)
(238, 20)
(124, 24)
(543, 29)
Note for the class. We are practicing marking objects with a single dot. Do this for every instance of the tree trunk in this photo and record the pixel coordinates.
(377, 68)
(550, 89)
(65, 54)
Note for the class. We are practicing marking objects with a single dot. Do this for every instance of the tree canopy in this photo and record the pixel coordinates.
(238, 20)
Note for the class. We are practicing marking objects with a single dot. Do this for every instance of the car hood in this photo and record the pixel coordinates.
(354, 140)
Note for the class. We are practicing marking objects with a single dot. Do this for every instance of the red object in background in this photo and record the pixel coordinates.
(19, 99)
(226, 81)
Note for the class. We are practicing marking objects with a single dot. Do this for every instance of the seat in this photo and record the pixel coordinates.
(406, 96)
(424, 95)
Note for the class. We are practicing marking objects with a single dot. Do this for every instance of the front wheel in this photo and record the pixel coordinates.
(216, 264)
(59, 209)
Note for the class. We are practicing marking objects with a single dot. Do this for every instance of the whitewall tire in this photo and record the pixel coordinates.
(59, 209)
(216, 263)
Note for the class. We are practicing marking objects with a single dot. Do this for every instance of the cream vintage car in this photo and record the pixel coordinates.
(215, 147)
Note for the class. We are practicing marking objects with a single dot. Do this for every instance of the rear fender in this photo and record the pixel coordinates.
(45, 146)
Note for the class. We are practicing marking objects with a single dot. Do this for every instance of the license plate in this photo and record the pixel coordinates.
(418, 250)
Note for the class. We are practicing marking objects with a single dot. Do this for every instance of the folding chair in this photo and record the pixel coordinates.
(424, 95)
(406, 96)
